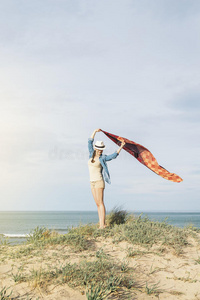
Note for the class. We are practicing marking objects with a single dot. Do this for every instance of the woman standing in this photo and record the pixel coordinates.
(99, 172)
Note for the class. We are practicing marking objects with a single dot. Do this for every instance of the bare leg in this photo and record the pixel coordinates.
(98, 197)
(101, 207)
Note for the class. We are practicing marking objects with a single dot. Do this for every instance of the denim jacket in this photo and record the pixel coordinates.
(103, 159)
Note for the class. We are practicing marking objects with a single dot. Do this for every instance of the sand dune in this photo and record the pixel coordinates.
(158, 272)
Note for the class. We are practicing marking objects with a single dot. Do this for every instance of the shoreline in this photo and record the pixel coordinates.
(15, 236)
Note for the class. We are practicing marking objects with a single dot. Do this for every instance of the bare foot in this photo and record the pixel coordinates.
(104, 226)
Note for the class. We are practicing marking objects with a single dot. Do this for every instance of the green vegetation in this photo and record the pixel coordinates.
(152, 289)
(123, 227)
(99, 277)
(97, 273)
(96, 292)
(117, 217)
(4, 294)
(198, 260)
(102, 270)
(4, 241)
(43, 236)
(140, 231)
(134, 253)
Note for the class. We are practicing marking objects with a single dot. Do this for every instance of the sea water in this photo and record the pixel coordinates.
(16, 226)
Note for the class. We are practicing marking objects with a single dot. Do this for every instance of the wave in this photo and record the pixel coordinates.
(15, 235)
(20, 235)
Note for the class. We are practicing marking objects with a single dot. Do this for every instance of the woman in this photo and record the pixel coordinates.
(98, 172)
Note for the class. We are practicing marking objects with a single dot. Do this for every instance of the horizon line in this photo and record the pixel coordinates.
(136, 211)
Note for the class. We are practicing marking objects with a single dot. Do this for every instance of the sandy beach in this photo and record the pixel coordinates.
(35, 271)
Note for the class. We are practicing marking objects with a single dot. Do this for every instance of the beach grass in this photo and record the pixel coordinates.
(139, 231)
(5, 293)
(79, 258)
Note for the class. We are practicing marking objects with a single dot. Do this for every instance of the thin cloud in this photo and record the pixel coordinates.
(68, 67)
(189, 102)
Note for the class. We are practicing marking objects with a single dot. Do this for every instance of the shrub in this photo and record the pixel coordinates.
(117, 217)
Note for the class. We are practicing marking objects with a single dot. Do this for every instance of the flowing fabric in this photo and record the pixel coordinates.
(144, 156)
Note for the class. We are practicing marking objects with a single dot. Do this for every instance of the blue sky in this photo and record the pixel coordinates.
(131, 68)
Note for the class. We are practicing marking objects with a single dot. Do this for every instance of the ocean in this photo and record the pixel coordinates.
(16, 225)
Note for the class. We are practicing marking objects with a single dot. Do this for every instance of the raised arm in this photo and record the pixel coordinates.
(90, 142)
(120, 148)
(116, 153)
(94, 132)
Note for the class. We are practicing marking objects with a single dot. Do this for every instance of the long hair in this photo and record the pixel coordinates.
(93, 155)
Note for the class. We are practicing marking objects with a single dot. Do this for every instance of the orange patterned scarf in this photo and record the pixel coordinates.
(144, 156)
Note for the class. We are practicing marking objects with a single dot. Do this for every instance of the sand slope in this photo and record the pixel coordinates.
(158, 272)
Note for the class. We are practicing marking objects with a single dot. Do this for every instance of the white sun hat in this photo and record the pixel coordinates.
(99, 145)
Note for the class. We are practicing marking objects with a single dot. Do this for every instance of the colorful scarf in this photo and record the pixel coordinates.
(144, 156)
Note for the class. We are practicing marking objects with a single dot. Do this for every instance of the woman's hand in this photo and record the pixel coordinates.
(95, 131)
(122, 145)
